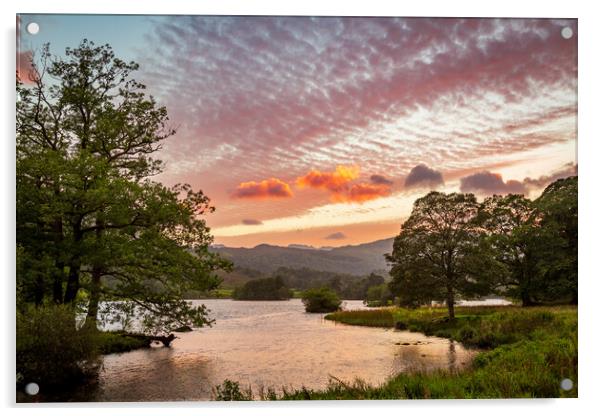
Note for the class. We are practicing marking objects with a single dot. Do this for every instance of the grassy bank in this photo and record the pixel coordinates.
(113, 342)
(528, 352)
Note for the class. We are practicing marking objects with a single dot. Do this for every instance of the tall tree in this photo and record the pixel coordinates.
(88, 214)
(512, 226)
(438, 254)
(558, 259)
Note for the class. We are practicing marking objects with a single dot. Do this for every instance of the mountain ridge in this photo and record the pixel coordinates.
(360, 259)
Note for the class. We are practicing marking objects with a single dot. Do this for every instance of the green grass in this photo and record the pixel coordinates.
(528, 351)
(110, 342)
(370, 317)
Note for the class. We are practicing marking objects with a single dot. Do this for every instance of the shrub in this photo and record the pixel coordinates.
(51, 350)
(114, 342)
(230, 391)
(320, 300)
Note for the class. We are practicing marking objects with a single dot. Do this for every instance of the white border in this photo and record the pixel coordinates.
(589, 154)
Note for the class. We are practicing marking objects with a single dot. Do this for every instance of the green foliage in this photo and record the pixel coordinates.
(439, 254)
(91, 224)
(558, 259)
(320, 300)
(263, 289)
(230, 391)
(51, 350)
(114, 342)
(378, 295)
(452, 246)
(511, 225)
(382, 317)
(346, 286)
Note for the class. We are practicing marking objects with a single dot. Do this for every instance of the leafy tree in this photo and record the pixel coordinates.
(557, 259)
(320, 300)
(512, 226)
(272, 288)
(378, 295)
(90, 221)
(439, 252)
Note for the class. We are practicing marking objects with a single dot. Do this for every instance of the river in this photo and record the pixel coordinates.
(268, 344)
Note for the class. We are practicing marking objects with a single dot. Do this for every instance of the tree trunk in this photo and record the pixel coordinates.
(57, 284)
(450, 304)
(95, 287)
(59, 276)
(91, 317)
(526, 299)
(74, 266)
(165, 340)
(72, 282)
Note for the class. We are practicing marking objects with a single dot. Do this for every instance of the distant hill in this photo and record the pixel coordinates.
(356, 260)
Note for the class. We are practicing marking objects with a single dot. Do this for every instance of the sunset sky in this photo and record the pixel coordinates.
(323, 131)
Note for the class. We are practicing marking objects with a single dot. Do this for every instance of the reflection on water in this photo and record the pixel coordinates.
(269, 344)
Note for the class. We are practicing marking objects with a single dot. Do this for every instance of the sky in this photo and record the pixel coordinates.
(324, 130)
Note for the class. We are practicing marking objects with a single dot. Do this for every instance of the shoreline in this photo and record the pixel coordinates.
(528, 352)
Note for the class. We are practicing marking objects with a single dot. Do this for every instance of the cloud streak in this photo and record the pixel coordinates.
(380, 180)
(268, 188)
(336, 236)
(299, 95)
(251, 222)
(298, 91)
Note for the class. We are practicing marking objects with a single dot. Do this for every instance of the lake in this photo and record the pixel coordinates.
(269, 344)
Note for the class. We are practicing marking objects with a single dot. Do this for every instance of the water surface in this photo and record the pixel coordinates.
(270, 344)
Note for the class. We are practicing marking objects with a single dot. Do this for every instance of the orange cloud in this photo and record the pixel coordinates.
(363, 192)
(268, 188)
(333, 181)
(339, 184)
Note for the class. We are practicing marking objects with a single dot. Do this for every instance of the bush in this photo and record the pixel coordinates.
(320, 300)
(51, 351)
(114, 342)
(378, 295)
(230, 391)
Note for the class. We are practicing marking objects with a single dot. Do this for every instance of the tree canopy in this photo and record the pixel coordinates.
(91, 222)
(438, 254)
(271, 288)
(452, 245)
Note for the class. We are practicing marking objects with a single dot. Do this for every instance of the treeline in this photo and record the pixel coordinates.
(345, 286)
(452, 245)
(271, 288)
